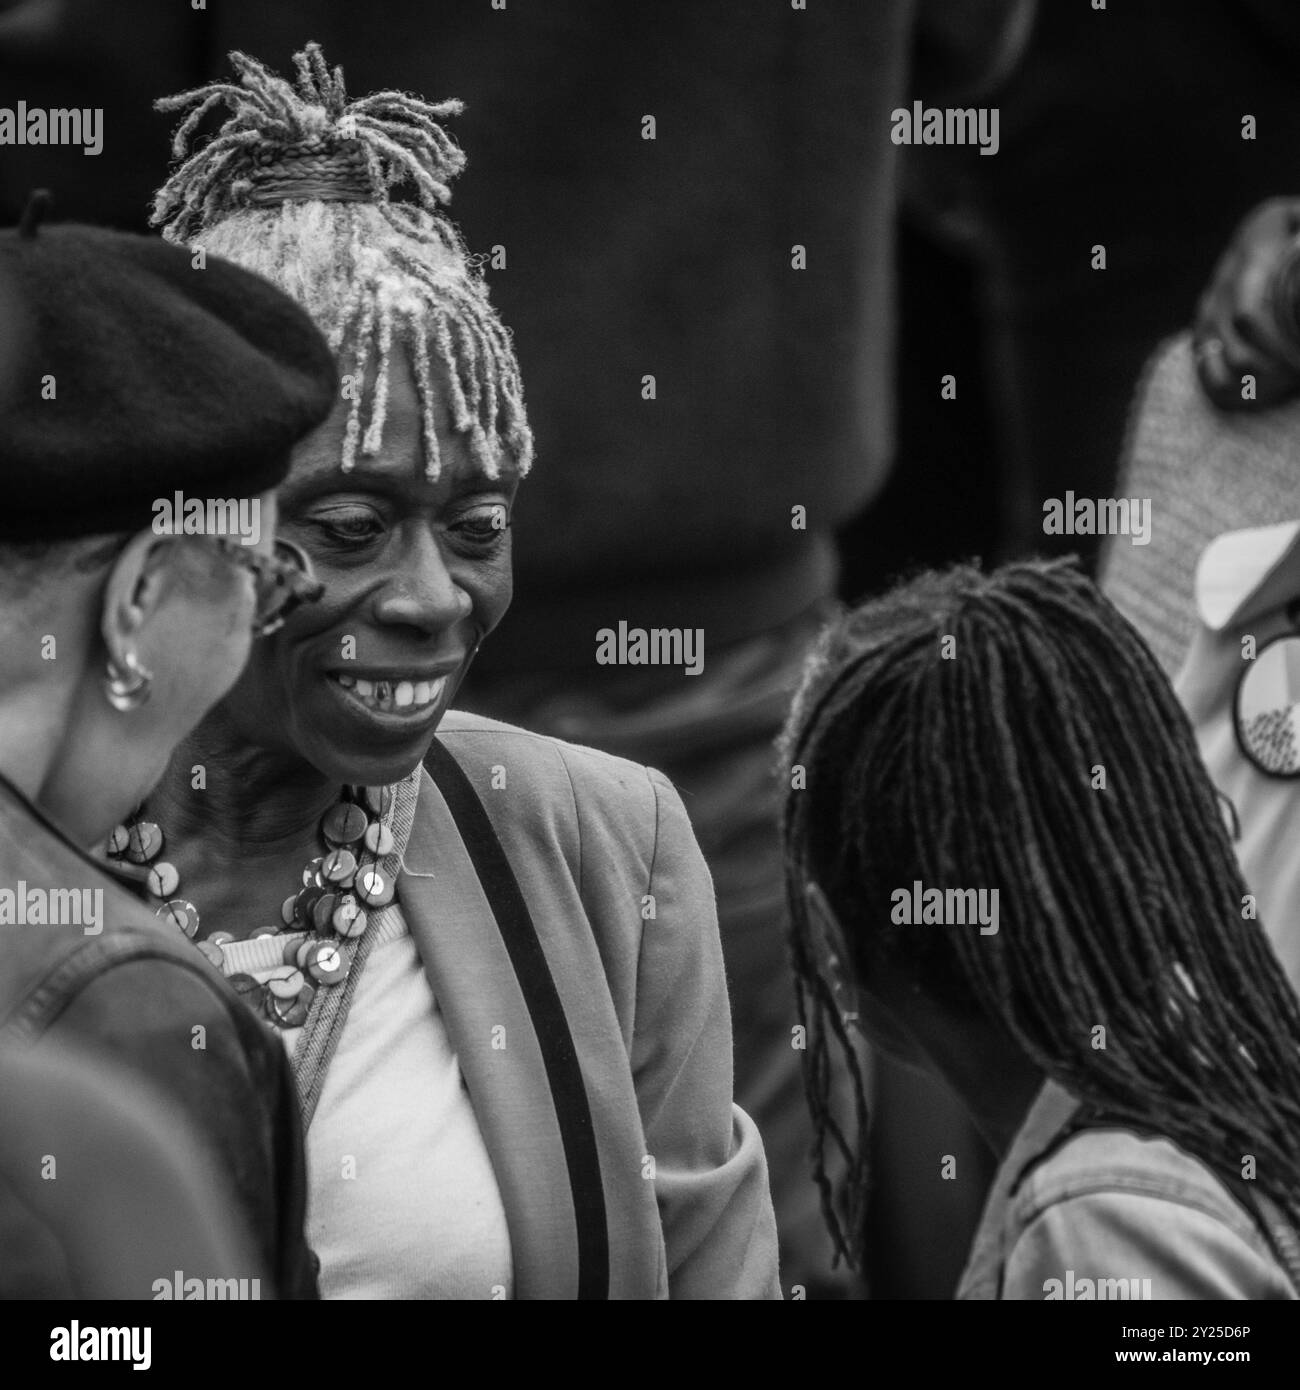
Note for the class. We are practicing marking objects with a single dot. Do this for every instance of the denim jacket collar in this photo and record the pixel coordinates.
(1049, 1112)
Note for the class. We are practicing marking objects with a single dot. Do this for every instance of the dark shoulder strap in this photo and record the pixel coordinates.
(1278, 1232)
(559, 1055)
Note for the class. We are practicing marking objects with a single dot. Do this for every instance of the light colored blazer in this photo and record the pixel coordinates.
(626, 927)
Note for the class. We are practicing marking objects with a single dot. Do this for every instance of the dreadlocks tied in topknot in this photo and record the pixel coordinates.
(296, 185)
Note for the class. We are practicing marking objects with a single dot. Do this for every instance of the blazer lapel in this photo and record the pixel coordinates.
(477, 990)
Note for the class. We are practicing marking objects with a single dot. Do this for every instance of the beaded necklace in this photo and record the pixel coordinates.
(320, 920)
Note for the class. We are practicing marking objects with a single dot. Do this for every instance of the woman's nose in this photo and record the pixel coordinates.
(421, 591)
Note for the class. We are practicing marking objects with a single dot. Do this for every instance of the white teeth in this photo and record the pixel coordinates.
(390, 695)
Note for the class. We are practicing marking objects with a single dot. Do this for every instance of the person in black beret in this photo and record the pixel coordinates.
(149, 401)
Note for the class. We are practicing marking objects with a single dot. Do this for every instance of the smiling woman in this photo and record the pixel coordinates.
(416, 570)
(455, 958)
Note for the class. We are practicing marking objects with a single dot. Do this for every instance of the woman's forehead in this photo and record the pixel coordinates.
(400, 463)
(402, 454)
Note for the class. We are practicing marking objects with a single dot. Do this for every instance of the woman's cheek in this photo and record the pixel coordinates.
(495, 591)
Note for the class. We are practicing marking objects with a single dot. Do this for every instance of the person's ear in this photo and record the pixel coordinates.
(830, 946)
(860, 1009)
(133, 593)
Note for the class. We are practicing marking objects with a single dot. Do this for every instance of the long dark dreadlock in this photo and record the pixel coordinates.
(1040, 751)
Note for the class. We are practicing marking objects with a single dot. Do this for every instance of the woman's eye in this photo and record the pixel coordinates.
(348, 526)
(484, 526)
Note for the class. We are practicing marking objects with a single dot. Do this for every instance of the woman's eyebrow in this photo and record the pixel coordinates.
(456, 488)
(335, 480)
(480, 483)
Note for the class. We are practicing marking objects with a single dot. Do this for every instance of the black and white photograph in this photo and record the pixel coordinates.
(646, 653)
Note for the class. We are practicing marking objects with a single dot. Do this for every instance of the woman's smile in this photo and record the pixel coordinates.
(409, 699)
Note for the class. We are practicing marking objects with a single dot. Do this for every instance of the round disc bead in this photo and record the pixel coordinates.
(305, 902)
(322, 912)
(344, 824)
(338, 866)
(349, 917)
(374, 887)
(290, 1013)
(326, 963)
(163, 880)
(181, 914)
(144, 842)
(379, 839)
(286, 982)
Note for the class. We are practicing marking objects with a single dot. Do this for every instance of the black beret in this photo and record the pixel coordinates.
(128, 374)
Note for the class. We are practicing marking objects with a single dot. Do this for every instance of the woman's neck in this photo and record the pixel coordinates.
(33, 723)
(990, 1075)
(999, 1106)
(249, 802)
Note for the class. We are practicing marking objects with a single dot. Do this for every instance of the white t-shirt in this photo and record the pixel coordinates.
(402, 1198)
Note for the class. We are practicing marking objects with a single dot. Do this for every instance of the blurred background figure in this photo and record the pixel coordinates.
(1120, 128)
(1217, 593)
(1213, 435)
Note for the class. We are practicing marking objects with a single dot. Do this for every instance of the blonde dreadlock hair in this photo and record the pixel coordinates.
(296, 185)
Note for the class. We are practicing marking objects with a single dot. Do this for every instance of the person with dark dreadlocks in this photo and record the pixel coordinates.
(1103, 1002)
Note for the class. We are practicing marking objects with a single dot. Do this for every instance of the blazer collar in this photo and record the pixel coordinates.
(492, 1032)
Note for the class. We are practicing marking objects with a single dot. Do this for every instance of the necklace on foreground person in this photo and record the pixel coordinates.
(319, 920)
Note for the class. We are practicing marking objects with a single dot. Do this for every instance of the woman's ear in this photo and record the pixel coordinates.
(831, 953)
(132, 594)
(878, 1011)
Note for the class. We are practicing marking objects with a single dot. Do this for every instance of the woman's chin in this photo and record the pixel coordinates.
(373, 767)
(353, 736)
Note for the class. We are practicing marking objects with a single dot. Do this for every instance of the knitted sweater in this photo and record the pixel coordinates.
(1205, 472)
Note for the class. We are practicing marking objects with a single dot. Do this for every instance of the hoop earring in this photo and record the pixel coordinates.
(127, 691)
